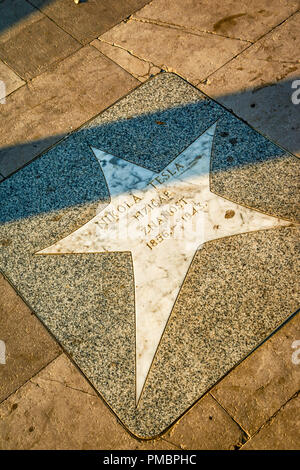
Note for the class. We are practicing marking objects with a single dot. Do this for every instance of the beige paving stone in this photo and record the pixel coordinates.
(29, 347)
(36, 46)
(58, 409)
(257, 85)
(10, 79)
(246, 19)
(193, 56)
(206, 427)
(16, 15)
(263, 382)
(282, 432)
(57, 102)
(140, 69)
(90, 18)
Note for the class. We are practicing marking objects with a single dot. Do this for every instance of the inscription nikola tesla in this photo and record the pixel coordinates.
(162, 219)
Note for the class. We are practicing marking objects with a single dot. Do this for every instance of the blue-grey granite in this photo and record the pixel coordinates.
(236, 292)
(249, 169)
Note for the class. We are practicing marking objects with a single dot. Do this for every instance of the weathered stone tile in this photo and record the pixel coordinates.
(248, 20)
(15, 15)
(10, 79)
(46, 42)
(29, 346)
(261, 384)
(89, 19)
(282, 432)
(140, 69)
(182, 52)
(58, 409)
(257, 85)
(206, 427)
(56, 102)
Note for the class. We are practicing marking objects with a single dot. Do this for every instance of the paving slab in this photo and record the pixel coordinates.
(282, 432)
(258, 85)
(248, 21)
(28, 346)
(140, 69)
(154, 317)
(88, 19)
(264, 382)
(182, 52)
(10, 81)
(58, 409)
(56, 102)
(46, 42)
(206, 427)
(15, 15)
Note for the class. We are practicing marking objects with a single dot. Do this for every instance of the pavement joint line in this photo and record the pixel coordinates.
(185, 29)
(137, 77)
(271, 418)
(170, 442)
(108, 58)
(43, 13)
(11, 67)
(245, 433)
(82, 42)
(48, 69)
(21, 86)
(250, 45)
(30, 378)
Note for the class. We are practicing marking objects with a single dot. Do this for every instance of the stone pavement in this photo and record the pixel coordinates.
(62, 64)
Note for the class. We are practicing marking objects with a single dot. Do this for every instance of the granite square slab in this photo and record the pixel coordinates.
(155, 276)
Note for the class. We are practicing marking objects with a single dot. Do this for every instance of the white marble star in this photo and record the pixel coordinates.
(162, 219)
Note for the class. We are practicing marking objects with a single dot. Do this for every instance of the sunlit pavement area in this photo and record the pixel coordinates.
(109, 109)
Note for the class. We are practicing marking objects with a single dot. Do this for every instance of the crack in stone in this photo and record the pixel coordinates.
(163, 67)
(129, 52)
(65, 385)
(185, 29)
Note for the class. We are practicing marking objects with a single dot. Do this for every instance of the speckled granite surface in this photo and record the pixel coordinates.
(236, 292)
(249, 169)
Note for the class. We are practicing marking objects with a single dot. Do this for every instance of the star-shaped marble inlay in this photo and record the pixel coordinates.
(162, 219)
